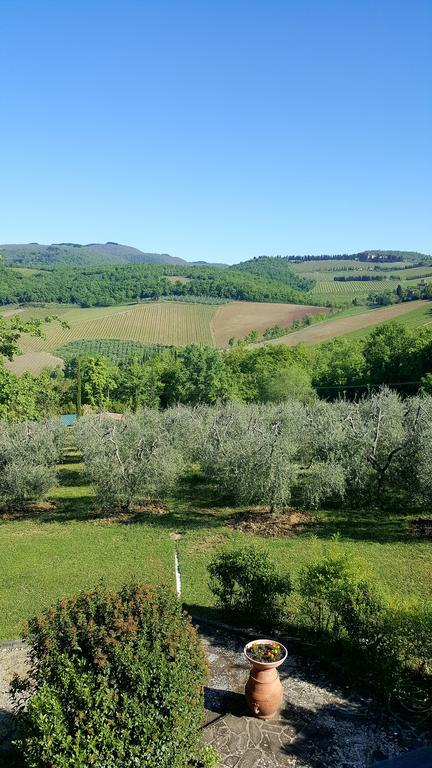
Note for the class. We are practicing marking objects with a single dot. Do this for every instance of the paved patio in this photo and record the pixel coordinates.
(319, 726)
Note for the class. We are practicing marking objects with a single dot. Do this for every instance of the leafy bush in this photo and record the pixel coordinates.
(338, 600)
(408, 644)
(245, 582)
(28, 455)
(116, 679)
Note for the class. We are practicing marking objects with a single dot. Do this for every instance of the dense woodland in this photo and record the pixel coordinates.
(108, 285)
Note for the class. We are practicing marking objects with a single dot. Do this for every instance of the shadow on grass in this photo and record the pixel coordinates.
(199, 505)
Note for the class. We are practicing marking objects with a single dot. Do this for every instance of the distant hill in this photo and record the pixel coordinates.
(74, 254)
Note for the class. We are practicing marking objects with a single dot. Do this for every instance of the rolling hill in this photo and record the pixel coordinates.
(74, 254)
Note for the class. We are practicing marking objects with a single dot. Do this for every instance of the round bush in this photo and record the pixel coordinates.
(116, 679)
(246, 582)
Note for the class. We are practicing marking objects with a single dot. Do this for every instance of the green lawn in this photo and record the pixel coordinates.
(62, 549)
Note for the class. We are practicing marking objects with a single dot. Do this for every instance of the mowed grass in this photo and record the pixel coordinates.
(65, 548)
(418, 318)
(59, 552)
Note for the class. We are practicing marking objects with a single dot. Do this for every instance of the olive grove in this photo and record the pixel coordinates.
(373, 452)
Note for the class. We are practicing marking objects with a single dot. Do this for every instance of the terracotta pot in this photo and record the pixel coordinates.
(264, 693)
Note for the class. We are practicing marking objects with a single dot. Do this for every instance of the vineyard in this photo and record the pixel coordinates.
(334, 289)
(150, 323)
(161, 323)
(115, 350)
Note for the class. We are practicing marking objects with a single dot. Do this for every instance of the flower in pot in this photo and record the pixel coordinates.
(264, 692)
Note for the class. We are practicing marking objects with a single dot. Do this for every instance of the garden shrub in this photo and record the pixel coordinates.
(338, 600)
(116, 679)
(29, 453)
(407, 641)
(246, 582)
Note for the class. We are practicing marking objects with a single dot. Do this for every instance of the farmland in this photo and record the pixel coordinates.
(421, 317)
(168, 323)
(164, 323)
(66, 547)
(341, 326)
(239, 317)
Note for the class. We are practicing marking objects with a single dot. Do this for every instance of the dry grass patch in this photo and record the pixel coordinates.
(261, 522)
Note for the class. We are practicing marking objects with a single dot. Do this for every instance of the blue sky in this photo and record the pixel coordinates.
(217, 130)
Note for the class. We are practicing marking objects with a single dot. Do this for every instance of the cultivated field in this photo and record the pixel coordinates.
(340, 326)
(239, 317)
(167, 323)
(336, 289)
(330, 265)
(177, 324)
(150, 323)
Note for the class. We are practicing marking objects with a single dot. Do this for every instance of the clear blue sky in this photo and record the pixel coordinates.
(217, 129)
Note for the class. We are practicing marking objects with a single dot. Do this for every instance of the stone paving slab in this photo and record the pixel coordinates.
(319, 726)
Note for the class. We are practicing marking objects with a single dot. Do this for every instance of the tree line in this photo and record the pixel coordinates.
(160, 378)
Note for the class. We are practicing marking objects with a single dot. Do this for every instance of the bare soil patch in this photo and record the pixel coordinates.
(145, 508)
(239, 317)
(28, 511)
(177, 279)
(329, 329)
(34, 362)
(261, 522)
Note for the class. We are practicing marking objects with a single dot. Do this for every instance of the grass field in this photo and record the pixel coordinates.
(64, 548)
(359, 322)
(418, 318)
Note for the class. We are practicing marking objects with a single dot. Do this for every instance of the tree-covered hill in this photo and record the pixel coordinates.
(117, 284)
(74, 254)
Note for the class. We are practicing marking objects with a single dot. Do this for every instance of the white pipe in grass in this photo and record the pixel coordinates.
(177, 574)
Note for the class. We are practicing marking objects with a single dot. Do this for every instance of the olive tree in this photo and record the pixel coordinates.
(29, 453)
(130, 459)
(250, 453)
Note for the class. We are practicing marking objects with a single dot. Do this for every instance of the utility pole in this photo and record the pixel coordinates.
(78, 387)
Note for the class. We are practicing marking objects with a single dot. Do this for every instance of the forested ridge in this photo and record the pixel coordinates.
(117, 284)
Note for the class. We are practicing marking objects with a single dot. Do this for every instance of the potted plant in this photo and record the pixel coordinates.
(264, 691)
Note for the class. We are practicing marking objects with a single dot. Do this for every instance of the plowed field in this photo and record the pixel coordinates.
(239, 317)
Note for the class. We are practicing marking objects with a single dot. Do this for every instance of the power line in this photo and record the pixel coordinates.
(370, 384)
